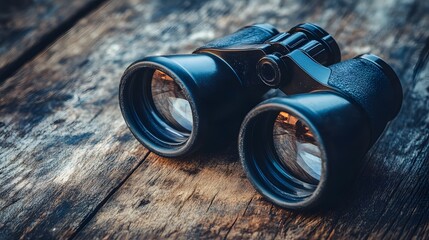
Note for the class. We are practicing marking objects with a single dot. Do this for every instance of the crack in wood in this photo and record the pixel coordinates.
(211, 201)
(247, 205)
(47, 39)
(97, 208)
(230, 228)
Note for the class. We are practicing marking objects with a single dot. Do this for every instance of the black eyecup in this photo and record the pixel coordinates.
(390, 73)
(341, 130)
(318, 33)
(139, 114)
(258, 158)
(201, 77)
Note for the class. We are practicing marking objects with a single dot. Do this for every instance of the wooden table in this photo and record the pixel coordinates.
(69, 167)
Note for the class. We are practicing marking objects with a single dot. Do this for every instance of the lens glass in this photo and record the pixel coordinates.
(297, 149)
(170, 102)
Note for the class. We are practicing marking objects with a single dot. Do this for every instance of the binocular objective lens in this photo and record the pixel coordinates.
(297, 149)
(170, 102)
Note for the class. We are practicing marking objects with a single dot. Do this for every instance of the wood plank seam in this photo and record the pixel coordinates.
(91, 214)
(422, 61)
(49, 38)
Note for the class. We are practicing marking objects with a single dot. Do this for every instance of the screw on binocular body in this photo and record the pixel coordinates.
(270, 70)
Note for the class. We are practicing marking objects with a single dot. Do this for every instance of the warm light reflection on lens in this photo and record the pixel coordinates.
(297, 149)
(170, 102)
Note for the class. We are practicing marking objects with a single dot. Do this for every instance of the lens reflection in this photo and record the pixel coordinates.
(297, 149)
(170, 102)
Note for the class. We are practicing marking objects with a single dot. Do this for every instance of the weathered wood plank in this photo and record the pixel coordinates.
(28, 26)
(208, 196)
(63, 145)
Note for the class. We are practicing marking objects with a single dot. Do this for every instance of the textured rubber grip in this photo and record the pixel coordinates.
(370, 87)
(254, 34)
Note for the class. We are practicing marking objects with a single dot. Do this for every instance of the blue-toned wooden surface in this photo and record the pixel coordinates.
(70, 168)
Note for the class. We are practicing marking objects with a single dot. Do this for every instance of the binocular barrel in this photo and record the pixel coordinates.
(177, 104)
(300, 151)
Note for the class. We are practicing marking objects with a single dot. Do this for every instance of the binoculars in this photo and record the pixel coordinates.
(303, 119)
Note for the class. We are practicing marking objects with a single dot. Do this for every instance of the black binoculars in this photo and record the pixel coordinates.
(300, 146)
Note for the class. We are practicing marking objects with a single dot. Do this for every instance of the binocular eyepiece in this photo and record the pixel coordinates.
(298, 149)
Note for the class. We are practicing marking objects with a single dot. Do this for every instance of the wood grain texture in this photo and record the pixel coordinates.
(70, 168)
(28, 26)
(64, 147)
(213, 199)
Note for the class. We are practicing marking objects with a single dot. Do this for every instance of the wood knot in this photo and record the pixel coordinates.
(144, 202)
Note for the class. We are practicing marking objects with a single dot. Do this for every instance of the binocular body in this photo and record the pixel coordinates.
(219, 81)
(298, 148)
